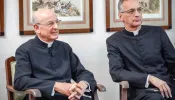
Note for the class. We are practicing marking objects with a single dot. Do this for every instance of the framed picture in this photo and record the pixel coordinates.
(155, 12)
(76, 15)
(1, 17)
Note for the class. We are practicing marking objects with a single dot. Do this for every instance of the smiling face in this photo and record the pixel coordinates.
(46, 25)
(131, 14)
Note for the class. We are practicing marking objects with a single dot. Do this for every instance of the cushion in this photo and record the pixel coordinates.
(18, 95)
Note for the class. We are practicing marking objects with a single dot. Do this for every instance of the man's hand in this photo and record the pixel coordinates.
(74, 96)
(81, 87)
(63, 88)
(73, 91)
(161, 85)
(78, 91)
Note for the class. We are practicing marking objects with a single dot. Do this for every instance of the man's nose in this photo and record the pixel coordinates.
(55, 25)
(137, 13)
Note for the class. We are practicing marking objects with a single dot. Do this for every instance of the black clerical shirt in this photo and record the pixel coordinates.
(132, 58)
(40, 67)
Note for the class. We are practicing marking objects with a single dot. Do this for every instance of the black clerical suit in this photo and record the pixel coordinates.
(40, 67)
(132, 58)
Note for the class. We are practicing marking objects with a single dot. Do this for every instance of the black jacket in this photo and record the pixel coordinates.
(40, 67)
(132, 58)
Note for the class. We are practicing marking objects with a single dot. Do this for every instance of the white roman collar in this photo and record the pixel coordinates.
(136, 32)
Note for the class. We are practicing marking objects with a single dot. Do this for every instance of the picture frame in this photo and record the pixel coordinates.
(159, 15)
(76, 15)
(1, 17)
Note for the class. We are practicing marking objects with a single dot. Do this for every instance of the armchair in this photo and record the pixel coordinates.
(33, 93)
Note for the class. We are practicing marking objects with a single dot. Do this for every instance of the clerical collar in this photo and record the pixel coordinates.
(49, 44)
(136, 32)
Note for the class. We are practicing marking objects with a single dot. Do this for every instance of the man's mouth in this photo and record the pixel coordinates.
(55, 31)
(137, 20)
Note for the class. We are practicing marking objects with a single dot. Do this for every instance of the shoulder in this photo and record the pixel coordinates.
(62, 44)
(151, 28)
(25, 46)
(114, 37)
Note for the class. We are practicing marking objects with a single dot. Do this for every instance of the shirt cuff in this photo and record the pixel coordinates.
(53, 92)
(87, 96)
(88, 89)
(147, 83)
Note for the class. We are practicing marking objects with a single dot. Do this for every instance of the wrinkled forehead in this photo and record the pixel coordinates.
(129, 4)
(45, 15)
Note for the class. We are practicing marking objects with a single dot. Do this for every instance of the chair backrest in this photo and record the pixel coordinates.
(10, 71)
(9, 76)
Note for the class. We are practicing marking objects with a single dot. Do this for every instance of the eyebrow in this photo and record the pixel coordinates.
(131, 9)
(135, 8)
(53, 20)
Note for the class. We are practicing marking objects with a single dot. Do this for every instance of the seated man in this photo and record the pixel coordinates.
(47, 64)
(141, 55)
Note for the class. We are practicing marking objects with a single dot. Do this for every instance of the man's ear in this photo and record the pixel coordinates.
(120, 16)
(36, 28)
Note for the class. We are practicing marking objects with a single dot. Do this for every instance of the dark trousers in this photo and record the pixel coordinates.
(144, 94)
(56, 97)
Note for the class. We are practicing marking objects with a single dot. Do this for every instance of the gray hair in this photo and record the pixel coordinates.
(120, 2)
(34, 19)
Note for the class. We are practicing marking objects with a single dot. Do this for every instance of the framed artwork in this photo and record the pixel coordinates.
(1, 17)
(76, 15)
(155, 12)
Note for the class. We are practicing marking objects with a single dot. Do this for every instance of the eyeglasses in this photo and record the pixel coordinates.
(132, 11)
(51, 23)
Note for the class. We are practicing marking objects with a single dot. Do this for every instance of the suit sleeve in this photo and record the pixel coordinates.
(79, 73)
(116, 67)
(23, 74)
(168, 51)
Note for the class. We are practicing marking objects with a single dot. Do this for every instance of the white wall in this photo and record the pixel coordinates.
(90, 47)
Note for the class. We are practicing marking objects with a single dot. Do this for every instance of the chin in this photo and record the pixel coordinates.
(137, 24)
(54, 37)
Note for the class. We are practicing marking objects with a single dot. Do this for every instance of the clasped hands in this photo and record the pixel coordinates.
(74, 91)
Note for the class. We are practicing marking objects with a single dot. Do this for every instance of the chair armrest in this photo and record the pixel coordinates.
(33, 92)
(101, 88)
(124, 84)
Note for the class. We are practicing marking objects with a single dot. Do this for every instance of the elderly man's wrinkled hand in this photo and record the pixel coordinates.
(161, 85)
(63, 88)
(81, 87)
(77, 90)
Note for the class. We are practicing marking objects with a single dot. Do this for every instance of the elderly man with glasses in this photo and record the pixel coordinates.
(142, 55)
(47, 64)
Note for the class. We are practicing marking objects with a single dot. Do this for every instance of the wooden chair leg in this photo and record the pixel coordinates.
(124, 94)
(31, 97)
(96, 96)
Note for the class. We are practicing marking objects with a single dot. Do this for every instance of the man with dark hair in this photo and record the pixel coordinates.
(141, 55)
(47, 64)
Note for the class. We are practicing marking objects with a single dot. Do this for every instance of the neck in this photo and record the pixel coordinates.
(132, 28)
(44, 40)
